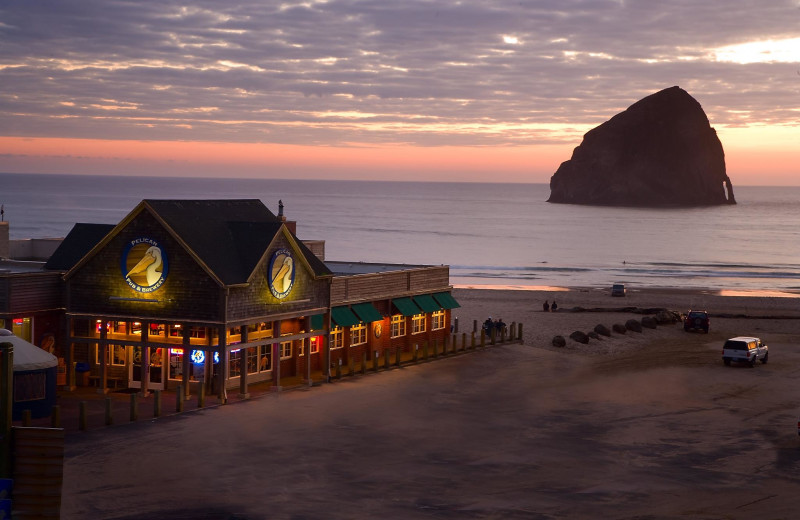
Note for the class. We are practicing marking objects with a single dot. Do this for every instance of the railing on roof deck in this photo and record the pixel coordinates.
(374, 286)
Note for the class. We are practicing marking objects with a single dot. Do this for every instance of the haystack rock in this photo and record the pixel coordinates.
(659, 152)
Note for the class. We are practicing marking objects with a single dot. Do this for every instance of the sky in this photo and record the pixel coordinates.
(481, 90)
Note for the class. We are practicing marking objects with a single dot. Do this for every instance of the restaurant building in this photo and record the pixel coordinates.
(218, 294)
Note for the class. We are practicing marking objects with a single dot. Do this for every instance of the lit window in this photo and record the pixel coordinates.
(337, 337)
(115, 355)
(437, 320)
(23, 329)
(315, 344)
(252, 360)
(286, 349)
(265, 361)
(418, 323)
(235, 363)
(358, 334)
(398, 326)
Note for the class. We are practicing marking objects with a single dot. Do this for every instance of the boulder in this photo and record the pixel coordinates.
(649, 322)
(602, 330)
(579, 336)
(661, 151)
(633, 325)
(667, 317)
(559, 341)
(619, 328)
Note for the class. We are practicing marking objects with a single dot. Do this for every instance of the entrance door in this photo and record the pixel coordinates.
(136, 368)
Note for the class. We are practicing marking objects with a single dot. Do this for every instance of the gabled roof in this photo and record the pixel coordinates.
(80, 240)
(228, 237)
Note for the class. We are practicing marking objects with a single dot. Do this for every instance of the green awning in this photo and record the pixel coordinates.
(317, 322)
(344, 317)
(446, 300)
(426, 303)
(367, 312)
(406, 306)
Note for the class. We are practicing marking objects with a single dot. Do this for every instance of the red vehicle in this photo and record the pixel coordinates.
(696, 320)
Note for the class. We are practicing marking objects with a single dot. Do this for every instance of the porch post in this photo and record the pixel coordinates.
(222, 376)
(186, 359)
(69, 356)
(145, 358)
(102, 348)
(326, 346)
(276, 355)
(243, 394)
(307, 350)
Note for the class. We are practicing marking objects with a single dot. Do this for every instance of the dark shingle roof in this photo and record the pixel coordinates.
(229, 236)
(80, 240)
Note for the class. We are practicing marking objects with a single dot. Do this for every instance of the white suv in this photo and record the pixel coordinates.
(744, 349)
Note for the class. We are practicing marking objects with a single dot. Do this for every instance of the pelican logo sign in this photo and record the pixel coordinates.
(280, 274)
(144, 265)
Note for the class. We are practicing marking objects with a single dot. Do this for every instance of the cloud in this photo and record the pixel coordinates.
(429, 73)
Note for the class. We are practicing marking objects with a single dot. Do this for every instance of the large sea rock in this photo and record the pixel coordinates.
(661, 151)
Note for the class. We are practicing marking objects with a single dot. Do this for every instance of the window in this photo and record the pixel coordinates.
(337, 337)
(358, 334)
(259, 330)
(437, 320)
(398, 326)
(286, 349)
(265, 362)
(175, 331)
(314, 342)
(115, 355)
(157, 329)
(22, 328)
(252, 360)
(418, 323)
(235, 365)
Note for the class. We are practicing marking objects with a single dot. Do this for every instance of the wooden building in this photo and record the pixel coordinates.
(222, 293)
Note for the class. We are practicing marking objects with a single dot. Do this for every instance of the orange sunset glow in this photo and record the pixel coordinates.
(498, 92)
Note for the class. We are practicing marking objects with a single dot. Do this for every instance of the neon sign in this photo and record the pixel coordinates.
(199, 356)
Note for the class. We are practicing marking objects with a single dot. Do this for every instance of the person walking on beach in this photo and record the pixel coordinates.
(487, 326)
(546, 306)
(554, 306)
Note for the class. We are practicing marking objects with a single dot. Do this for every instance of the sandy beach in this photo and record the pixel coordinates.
(641, 425)
(583, 308)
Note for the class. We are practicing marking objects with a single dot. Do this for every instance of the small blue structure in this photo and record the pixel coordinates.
(34, 377)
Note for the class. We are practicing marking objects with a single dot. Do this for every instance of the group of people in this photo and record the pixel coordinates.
(546, 307)
(498, 326)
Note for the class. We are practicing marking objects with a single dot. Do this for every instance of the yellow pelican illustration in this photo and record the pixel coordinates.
(283, 280)
(150, 264)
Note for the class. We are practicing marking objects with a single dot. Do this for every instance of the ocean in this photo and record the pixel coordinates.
(489, 234)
